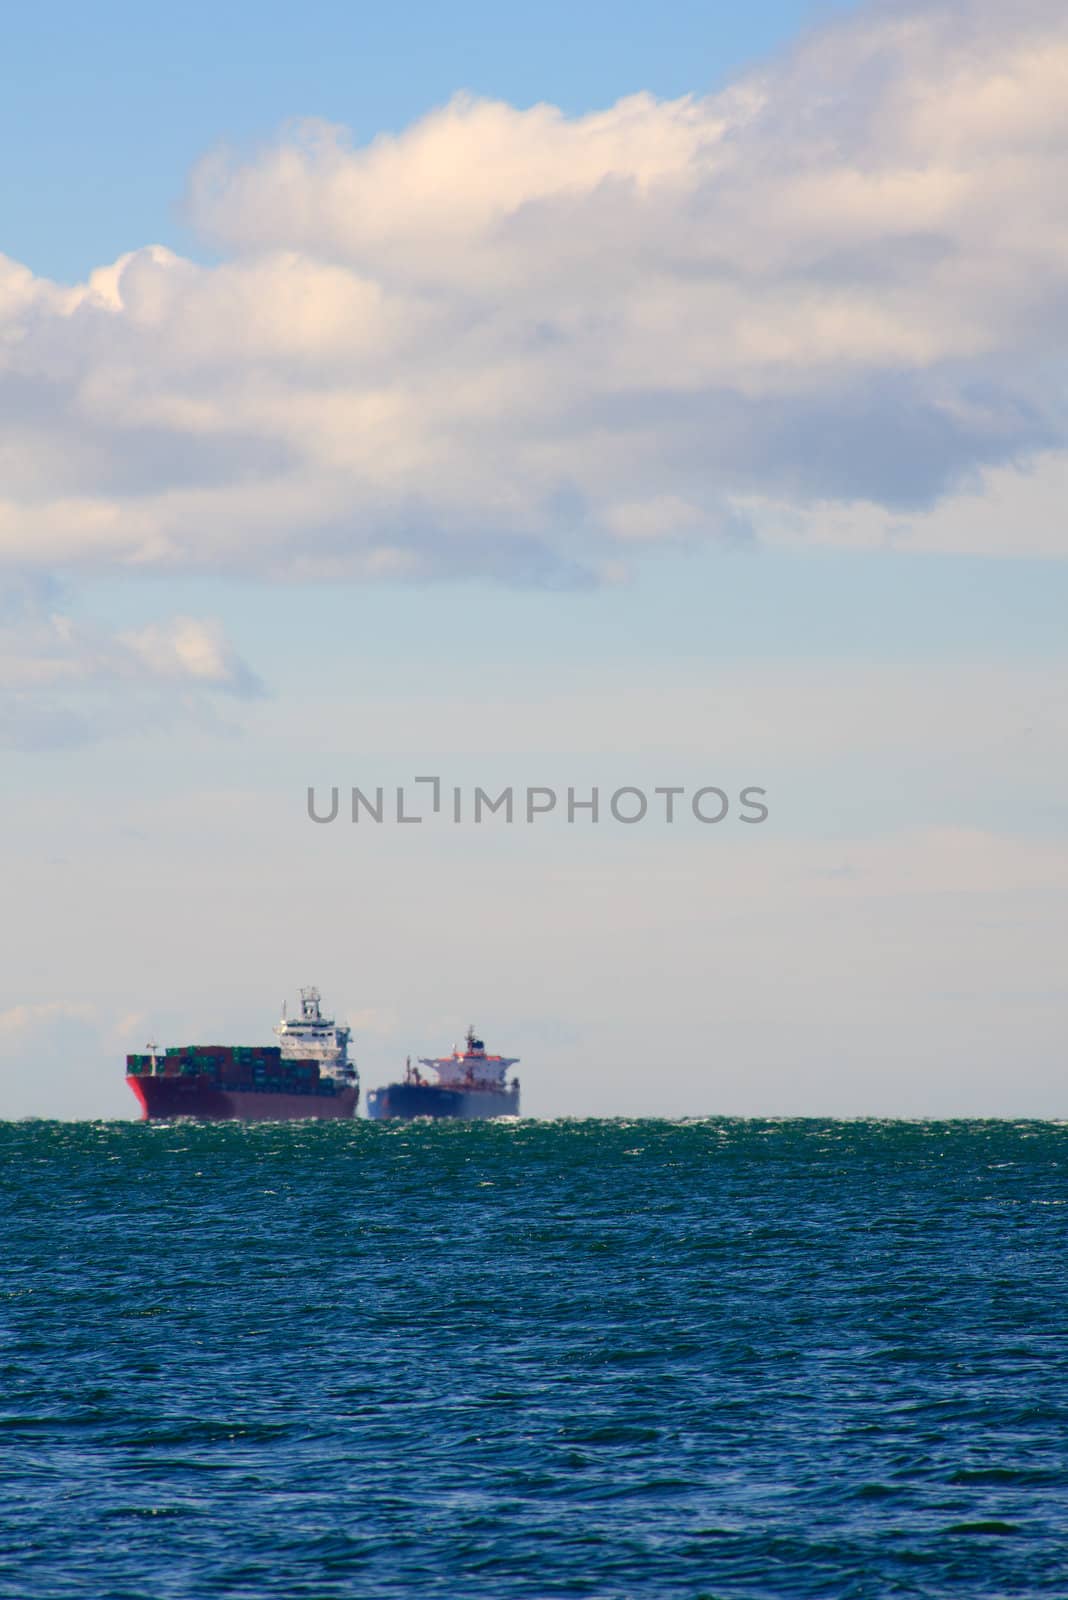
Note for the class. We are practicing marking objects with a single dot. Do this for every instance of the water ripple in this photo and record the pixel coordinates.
(763, 1360)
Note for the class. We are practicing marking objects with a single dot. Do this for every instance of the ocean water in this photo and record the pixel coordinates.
(646, 1359)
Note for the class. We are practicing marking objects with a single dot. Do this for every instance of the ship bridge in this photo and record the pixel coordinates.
(470, 1065)
(313, 1037)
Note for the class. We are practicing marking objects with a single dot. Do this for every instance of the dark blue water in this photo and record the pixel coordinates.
(647, 1359)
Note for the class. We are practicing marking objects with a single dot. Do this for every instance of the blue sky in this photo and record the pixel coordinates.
(565, 433)
(105, 108)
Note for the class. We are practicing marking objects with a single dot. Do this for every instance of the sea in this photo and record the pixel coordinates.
(634, 1360)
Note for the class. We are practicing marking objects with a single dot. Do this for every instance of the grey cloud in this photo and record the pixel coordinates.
(524, 345)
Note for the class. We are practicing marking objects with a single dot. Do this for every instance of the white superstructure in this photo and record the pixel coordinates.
(313, 1037)
(463, 1068)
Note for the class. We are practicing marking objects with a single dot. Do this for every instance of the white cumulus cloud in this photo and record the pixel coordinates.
(63, 681)
(828, 302)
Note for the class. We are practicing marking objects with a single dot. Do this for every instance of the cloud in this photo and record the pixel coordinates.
(371, 1020)
(828, 300)
(63, 1058)
(1012, 509)
(63, 681)
(189, 651)
(17, 1021)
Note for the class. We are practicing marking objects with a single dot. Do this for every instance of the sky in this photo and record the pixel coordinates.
(655, 400)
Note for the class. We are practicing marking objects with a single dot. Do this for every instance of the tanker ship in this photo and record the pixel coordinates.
(467, 1083)
(307, 1074)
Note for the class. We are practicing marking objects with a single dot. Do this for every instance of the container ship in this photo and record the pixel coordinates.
(307, 1074)
(467, 1083)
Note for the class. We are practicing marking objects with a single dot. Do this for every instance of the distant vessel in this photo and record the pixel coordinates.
(307, 1074)
(467, 1083)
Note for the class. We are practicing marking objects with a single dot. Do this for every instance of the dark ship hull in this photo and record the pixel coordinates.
(163, 1099)
(408, 1100)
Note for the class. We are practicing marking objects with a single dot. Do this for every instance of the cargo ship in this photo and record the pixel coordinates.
(307, 1074)
(467, 1083)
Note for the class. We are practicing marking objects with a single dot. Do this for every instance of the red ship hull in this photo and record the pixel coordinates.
(164, 1098)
